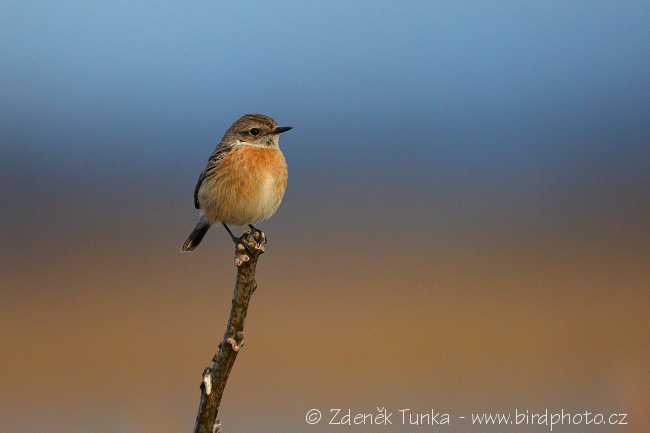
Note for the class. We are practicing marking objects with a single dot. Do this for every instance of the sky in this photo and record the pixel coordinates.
(465, 225)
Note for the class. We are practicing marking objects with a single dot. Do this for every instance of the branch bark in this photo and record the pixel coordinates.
(215, 377)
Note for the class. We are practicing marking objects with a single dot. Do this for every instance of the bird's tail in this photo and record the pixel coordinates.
(194, 239)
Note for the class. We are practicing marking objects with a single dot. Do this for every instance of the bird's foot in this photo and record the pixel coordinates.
(239, 241)
(248, 248)
(258, 234)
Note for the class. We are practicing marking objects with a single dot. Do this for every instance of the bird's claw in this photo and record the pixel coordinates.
(258, 234)
(240, 241)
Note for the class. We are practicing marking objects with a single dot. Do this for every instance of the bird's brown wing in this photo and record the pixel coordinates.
(219, 153)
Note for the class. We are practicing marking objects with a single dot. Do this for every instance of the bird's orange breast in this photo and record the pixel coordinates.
(247, 186)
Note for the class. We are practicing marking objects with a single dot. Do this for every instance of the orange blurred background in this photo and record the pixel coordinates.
(377, 302)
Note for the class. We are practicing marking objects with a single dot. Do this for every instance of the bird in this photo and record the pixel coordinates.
(244, 180)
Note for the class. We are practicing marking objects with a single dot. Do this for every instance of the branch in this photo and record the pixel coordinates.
(215, 377)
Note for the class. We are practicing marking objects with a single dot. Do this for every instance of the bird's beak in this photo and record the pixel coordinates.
(281, 129)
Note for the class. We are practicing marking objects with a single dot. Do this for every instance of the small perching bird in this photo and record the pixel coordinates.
(244, 179)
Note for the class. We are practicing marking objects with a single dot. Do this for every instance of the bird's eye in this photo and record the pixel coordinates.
(254, 131)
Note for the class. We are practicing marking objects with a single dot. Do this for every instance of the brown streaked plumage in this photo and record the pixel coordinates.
(244, 179)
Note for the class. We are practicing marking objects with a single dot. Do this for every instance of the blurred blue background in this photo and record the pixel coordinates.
(499, 148)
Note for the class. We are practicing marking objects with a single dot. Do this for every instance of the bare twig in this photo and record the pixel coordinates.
(215, 377)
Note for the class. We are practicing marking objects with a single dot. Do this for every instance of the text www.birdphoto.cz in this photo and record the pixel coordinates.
(382, 416)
